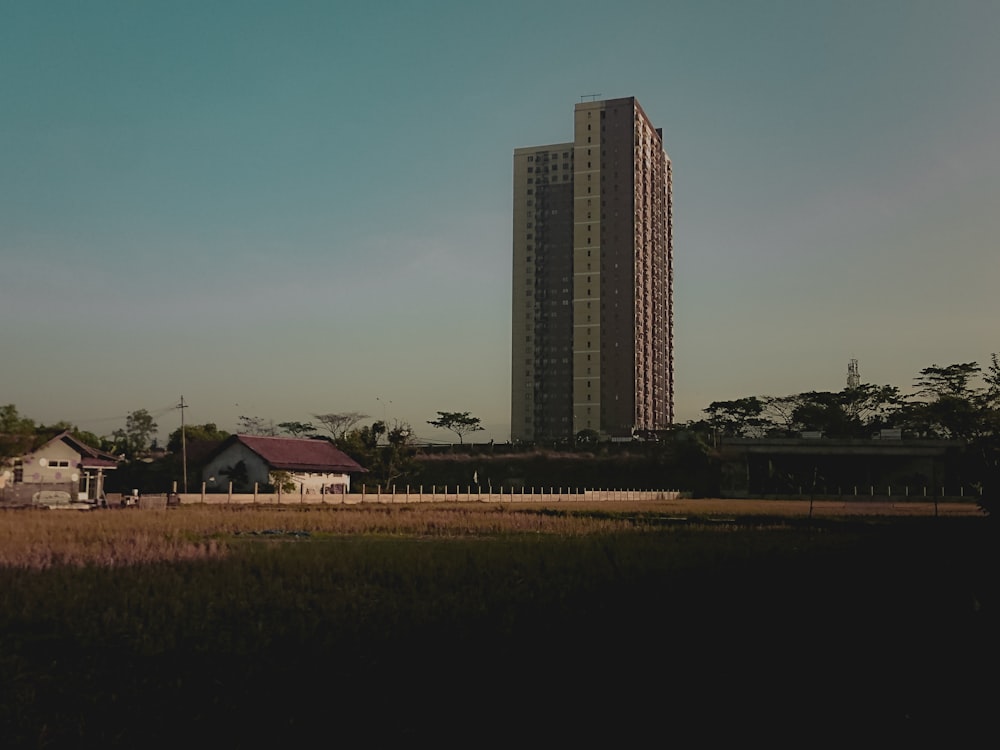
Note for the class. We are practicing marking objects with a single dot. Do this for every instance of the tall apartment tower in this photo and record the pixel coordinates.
(592, 323)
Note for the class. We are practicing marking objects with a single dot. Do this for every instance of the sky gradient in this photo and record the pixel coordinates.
(277, 209)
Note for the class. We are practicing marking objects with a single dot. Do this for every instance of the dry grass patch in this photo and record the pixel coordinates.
(112, 538)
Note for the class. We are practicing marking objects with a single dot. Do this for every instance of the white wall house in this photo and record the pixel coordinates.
(63, 470)
(314, 466)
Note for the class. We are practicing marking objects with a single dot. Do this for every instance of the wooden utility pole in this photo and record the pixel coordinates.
(184, 456)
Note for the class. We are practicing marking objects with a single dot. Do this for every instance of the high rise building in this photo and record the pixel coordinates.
(592, 324)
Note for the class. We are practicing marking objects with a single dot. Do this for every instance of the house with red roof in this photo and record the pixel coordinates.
(62, 471)
(313, 465)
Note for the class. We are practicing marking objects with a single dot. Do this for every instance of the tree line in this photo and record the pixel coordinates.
(958, 401)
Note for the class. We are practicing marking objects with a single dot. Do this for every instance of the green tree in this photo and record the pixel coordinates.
(872, 405)
(16, 432)
(739, 418)
(398, 455)
(459, 422)
(850, 413)
(953, 380)
(992, 378)
(93, 440)
(134, 440)
(947, 404)
(297, 429)
(208, 432)
(281, 480)
(387, 463)
(44, 433)
(338, 424)
(257, 426)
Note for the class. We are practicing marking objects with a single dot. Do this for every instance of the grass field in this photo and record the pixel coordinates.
(478, 623)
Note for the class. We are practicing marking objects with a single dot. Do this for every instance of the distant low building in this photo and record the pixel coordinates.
(62, 471)
(313, 465)
(817, 465)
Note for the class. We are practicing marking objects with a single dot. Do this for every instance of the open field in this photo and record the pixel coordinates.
(39, 539)
(471, 623)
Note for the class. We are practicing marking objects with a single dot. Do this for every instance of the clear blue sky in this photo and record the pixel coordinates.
(283, 208)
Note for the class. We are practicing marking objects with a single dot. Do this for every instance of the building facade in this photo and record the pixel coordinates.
(592, 322)
(313, 465)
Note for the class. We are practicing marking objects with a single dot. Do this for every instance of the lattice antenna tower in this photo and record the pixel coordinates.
(853, 376)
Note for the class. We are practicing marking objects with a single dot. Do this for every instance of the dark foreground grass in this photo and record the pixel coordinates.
(762, 632)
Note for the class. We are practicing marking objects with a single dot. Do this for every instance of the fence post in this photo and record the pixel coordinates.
(230, 498)
(255, 493)
(202, 492)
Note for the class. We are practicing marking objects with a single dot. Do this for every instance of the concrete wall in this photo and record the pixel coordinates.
(41, 494)
(427, 495)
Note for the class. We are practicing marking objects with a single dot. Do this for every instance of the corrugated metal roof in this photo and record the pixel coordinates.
(300, 454)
